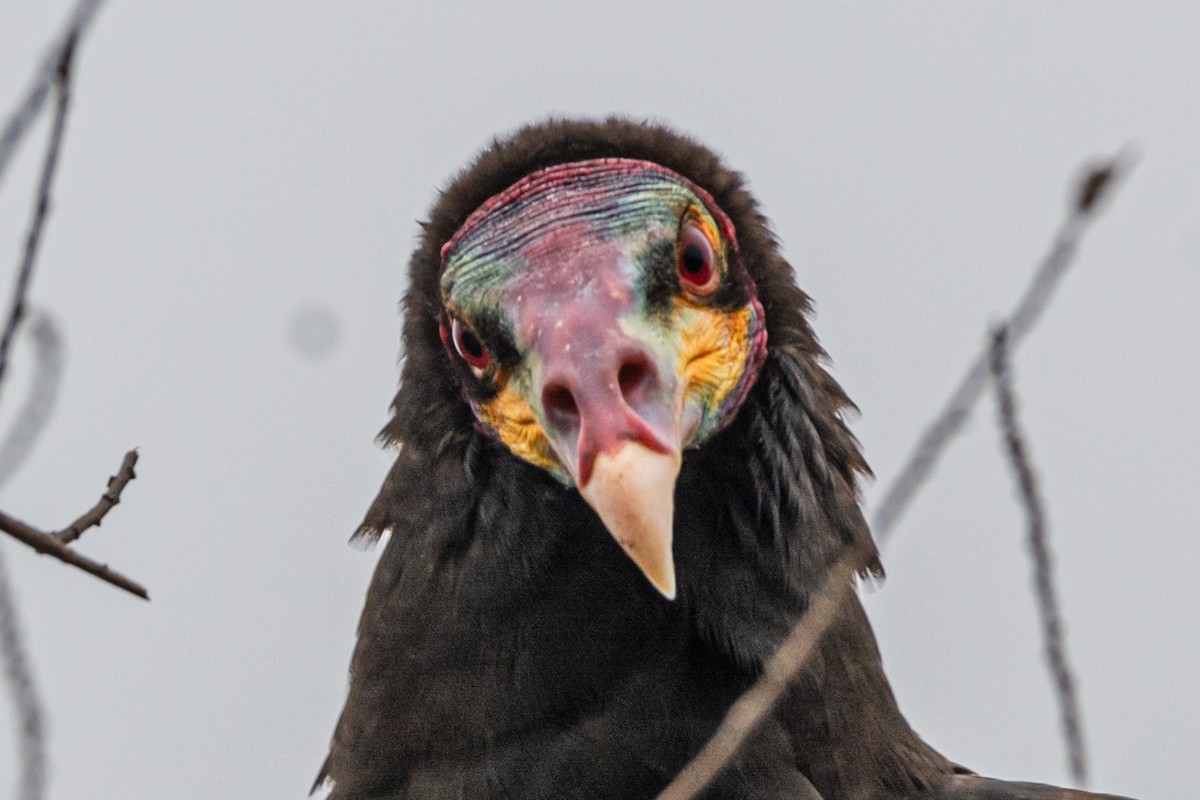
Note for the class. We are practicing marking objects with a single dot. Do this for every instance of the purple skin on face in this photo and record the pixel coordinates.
(600, 386)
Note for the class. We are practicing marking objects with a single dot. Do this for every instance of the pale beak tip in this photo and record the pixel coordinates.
(657, 567)
(632, 491)
(661, 576)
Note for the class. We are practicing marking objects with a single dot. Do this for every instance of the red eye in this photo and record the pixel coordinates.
(469, 347)
(697, 267)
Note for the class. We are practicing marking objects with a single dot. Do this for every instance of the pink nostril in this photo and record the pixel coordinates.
(635, 378)
(561, 409)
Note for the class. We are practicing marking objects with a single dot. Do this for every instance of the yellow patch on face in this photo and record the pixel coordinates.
(714, 349)
(509, 415)
(700, 216)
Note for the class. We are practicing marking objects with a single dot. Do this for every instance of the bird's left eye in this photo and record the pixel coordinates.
(697, 267)
(470, 347)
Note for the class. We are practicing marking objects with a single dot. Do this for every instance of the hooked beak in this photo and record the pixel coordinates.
(618, 438)
(632, 490)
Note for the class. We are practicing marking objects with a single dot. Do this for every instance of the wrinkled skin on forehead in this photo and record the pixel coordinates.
(578, 265)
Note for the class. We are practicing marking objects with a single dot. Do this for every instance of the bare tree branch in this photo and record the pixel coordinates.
(1056, 656)
(16, 310)
(46, 543)
(1097, 182)
(51, 544)
(19, 676)
(26, 111)
(756, 703)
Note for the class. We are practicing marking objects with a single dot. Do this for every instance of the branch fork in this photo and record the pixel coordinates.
(58, 543)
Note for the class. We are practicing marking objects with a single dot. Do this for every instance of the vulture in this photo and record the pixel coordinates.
(622, 472)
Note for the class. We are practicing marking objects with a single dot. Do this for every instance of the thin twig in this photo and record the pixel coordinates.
(49, 166)
(31, 732)
(93, 518)
(756, 703)
(26, 111)
(50, 544)
(1096, 184)
(1043, 575)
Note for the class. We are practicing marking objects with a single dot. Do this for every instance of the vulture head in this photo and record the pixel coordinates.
(602, 323)
(603, 302)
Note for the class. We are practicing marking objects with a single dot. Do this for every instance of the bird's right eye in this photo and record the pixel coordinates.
(469, 346)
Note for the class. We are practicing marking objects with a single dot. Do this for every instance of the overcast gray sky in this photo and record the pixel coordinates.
(237, 198)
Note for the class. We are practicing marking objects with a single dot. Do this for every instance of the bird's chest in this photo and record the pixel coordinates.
(567, 694)
(512, 672)
(467, 676)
